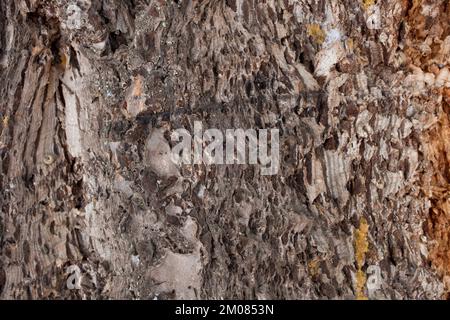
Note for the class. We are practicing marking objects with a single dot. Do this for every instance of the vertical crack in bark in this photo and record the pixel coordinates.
(42, 187)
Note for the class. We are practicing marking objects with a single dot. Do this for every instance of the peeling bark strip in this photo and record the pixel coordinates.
(90, 209)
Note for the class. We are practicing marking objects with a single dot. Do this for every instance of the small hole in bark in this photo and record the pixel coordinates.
(116, 39)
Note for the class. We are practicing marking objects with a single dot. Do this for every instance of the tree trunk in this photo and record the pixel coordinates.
(359, 90)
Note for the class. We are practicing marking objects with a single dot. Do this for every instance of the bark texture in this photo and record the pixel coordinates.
(359, 90)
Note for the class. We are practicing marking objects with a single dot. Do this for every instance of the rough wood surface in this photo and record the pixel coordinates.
(358, 89)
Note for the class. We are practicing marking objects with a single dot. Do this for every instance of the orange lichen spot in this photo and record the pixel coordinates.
(316, 32)
(361, 248)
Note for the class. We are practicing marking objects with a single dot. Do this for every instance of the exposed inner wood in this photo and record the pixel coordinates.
(428, 48)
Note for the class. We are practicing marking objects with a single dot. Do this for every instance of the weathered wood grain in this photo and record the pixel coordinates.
(362, 114)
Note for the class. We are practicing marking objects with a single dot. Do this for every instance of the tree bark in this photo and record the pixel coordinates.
(357, 88)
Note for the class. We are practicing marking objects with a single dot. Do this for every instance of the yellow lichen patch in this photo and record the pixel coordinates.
(64, 60)
(361, 243)
(360, 285)
(361, 248)
(368, 3)
(5, 121)
(350, 44)
(316, 32)
(313, 267)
